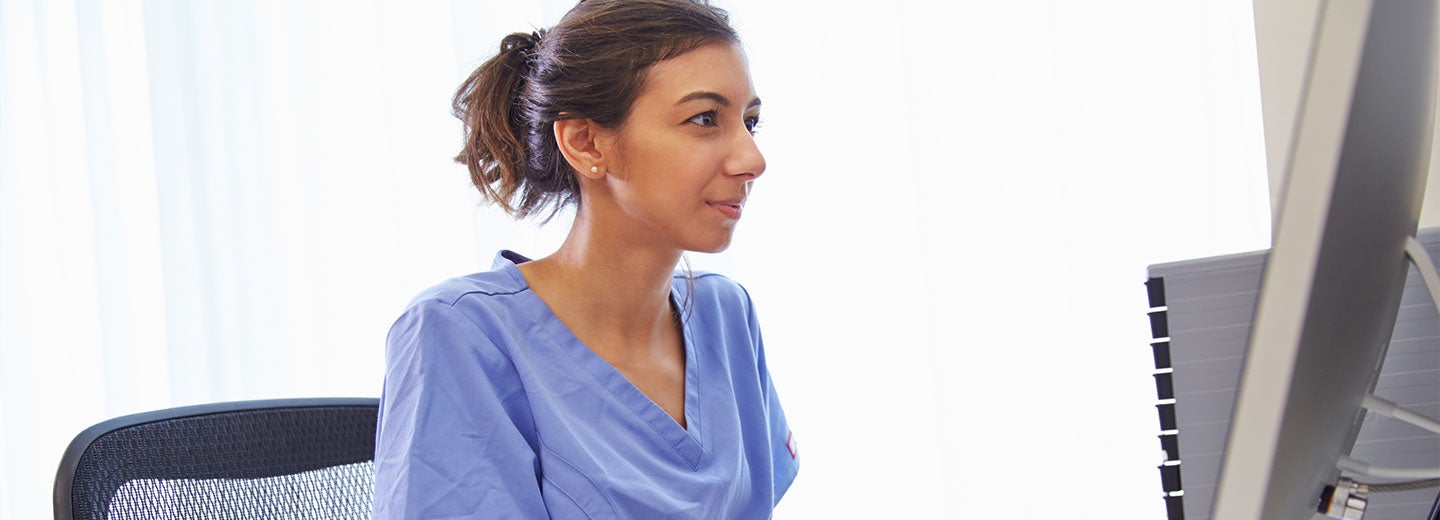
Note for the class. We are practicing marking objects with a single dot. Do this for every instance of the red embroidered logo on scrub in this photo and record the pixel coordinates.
(790, 445)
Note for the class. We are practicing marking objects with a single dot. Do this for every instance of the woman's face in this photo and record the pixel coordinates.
(685, 158)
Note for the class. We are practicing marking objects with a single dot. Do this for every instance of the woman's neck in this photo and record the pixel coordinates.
(606, 284)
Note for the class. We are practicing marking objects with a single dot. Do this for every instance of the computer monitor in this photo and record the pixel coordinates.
(1332, 283)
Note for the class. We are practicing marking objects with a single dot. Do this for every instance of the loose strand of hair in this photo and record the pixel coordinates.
(688, 304)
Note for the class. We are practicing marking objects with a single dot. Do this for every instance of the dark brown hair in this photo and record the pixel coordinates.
(591, 65)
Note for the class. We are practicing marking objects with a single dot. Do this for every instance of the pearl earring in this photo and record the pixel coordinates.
(594, 169)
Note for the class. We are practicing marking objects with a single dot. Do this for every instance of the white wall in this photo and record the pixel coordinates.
(950, 244)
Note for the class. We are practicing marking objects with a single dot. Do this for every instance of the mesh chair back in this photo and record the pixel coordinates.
(275, 459)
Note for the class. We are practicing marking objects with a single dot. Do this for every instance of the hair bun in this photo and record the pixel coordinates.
(527, 45)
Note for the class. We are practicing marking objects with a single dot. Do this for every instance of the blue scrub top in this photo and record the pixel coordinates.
(493, 409)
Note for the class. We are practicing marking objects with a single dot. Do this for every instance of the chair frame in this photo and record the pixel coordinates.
(65, 476)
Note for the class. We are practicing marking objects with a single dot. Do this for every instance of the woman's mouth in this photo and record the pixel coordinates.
(731, 209)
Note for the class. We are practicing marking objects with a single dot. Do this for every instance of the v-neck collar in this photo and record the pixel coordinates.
(686, 441)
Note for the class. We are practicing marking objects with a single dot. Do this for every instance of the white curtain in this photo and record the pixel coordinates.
(213, 201)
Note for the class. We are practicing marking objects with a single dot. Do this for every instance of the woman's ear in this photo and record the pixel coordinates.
(583, 144)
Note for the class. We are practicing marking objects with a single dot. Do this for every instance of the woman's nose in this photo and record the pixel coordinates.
(746, 158)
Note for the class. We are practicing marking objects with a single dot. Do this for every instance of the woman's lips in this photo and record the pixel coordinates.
(731, 210)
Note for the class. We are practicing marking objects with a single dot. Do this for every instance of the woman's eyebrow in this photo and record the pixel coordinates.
(713, 96)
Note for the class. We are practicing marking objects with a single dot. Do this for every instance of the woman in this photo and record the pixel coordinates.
(595, 382)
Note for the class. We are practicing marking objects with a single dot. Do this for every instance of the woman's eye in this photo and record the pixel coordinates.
(751, 123)
(706, 119)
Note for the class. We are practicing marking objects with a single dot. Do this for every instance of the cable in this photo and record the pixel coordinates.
(1410, 485)
(1395, 411)
(1421, 259)
(1360, 467)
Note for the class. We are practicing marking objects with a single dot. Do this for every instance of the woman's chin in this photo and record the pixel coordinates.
(711, 246)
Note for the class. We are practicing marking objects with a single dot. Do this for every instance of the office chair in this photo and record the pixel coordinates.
(273, 459)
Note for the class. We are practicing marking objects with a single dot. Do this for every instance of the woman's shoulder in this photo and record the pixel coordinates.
(486, 283)
(502, 279)
(471, 309)
(709, 282)
(713, 292)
